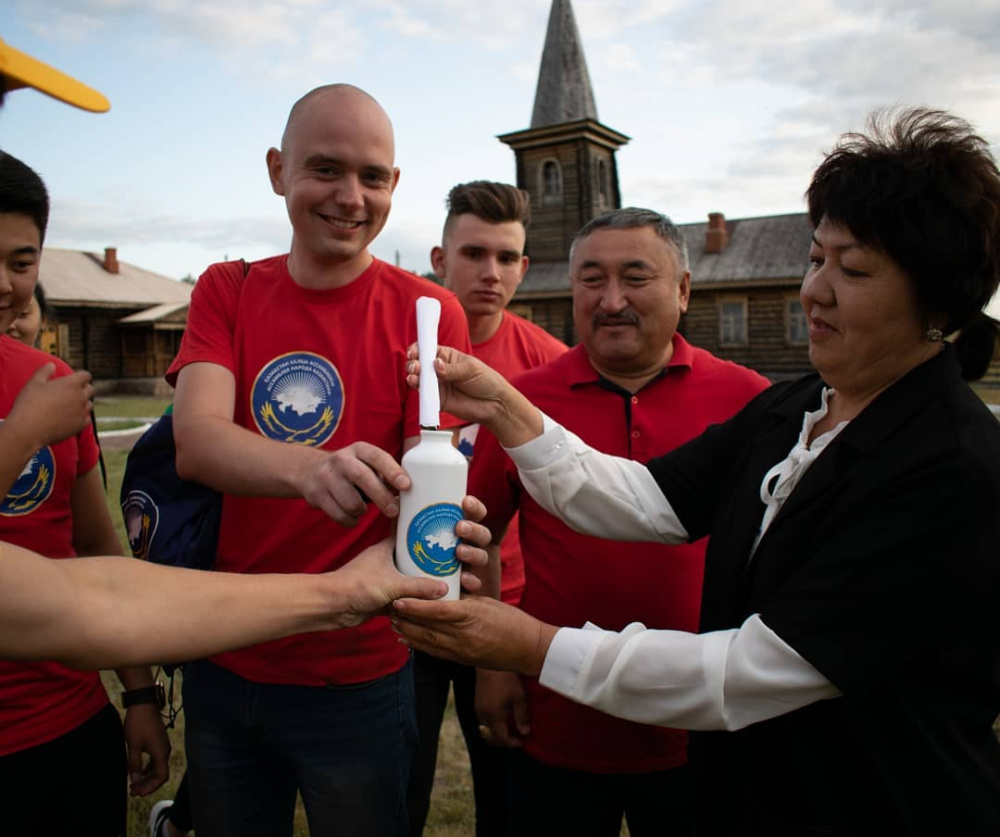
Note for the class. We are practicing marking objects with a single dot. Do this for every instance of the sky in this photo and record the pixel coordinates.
(729, 104)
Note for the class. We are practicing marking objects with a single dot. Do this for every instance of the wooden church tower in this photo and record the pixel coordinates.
(566, 162)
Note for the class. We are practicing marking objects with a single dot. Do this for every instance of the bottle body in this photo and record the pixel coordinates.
(429, 510)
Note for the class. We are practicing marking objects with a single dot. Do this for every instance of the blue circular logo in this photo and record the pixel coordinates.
(298, 398)
(32, 487)
(141, 519)
(431, 539)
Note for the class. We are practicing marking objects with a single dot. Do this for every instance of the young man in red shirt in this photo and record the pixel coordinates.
(635, 388)
(481, 259)
(292, 402)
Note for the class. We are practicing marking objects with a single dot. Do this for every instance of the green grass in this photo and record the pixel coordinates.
(129, 406)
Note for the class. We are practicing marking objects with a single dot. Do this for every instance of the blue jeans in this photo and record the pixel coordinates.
(251, 746)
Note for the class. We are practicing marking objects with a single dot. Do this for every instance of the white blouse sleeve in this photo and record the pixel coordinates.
(593, 492)
(723, 680)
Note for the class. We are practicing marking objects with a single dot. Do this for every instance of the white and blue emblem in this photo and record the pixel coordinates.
(141, 519)
(299, 398)
(431, 539)
(33, 486)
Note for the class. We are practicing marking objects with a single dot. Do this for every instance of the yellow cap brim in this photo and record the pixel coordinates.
(21, 70)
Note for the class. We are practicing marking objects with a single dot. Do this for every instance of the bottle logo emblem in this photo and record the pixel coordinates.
(431, 539)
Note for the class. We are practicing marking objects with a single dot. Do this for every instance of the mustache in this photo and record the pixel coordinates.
(626, 317)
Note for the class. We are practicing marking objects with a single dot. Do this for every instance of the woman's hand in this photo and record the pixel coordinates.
(473, 391)
(477, 631)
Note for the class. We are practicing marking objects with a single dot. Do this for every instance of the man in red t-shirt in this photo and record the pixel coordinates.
(291, 401)
(481, 259)
(633, 388)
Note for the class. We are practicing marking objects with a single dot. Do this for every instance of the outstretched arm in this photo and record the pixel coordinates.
(107, 612)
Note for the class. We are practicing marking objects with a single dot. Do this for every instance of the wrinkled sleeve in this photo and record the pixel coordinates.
(722, 680)
(595, 493)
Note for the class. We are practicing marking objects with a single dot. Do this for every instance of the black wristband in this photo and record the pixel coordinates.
(150, 694)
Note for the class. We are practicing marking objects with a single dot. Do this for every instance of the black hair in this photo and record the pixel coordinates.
(23, 192)
(922, 187)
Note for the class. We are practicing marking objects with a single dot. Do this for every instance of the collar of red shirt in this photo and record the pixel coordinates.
(581, 372)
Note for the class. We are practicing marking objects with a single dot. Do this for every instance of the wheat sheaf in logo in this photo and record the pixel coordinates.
(32, 487)
(141, 519)
(298, 398)
(431, 539)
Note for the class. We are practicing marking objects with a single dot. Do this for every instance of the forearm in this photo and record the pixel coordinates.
(16, 448)
(230, 458)
(595, 493)
(723, 680)
(111, 612)
(515, 419)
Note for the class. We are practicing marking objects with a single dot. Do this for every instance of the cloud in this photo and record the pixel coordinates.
(96, 224)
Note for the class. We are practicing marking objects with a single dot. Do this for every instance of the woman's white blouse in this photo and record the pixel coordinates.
(718, 680)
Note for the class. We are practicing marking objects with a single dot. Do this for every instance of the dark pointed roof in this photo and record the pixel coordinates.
(564, 93)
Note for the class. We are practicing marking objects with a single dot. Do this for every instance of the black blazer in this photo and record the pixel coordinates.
(882, 569)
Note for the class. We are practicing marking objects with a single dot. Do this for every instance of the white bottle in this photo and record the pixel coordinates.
(429, 510)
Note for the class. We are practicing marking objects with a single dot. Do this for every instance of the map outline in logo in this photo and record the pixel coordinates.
(34, 485)
(431, 539)
(139, 509)
(298, 397)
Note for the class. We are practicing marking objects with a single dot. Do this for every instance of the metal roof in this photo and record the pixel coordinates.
(772, 248)
(157, 312)
(74, 278)
(769, 247)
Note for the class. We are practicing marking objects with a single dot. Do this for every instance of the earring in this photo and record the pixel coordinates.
(933, 335)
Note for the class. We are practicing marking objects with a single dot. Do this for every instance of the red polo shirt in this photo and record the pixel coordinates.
(517, 346)
(571, 578)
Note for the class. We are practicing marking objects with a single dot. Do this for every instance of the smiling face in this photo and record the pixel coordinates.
(335, 171)
(20, 250)
(865, 328)
(628, 296)
(483, 263)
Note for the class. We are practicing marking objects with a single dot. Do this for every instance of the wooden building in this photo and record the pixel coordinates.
(112, 318)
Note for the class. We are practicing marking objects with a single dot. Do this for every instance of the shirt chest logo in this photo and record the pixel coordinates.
(298, 397)
(32, 487)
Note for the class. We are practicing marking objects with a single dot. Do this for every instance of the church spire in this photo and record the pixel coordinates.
(564, 93)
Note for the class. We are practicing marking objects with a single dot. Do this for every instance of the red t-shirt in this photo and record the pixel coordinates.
(571, 578)
(41, 701)
(517, 346)
(323, 368)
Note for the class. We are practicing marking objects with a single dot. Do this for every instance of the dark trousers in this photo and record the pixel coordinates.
(547, 800)
(432, 680)
(76, 784)
(251, 746)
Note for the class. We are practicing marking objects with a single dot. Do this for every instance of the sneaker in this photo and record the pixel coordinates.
(158, 818)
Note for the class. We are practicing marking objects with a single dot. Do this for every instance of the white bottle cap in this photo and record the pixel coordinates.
(428, 317)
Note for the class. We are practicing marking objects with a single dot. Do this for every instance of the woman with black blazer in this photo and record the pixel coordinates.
(847, 672)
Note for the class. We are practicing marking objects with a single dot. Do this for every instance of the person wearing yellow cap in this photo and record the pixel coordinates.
(18, 69)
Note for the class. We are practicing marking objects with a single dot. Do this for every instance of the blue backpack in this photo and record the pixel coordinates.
(168, 520)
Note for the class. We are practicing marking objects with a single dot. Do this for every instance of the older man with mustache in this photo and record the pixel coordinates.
(634, 388)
